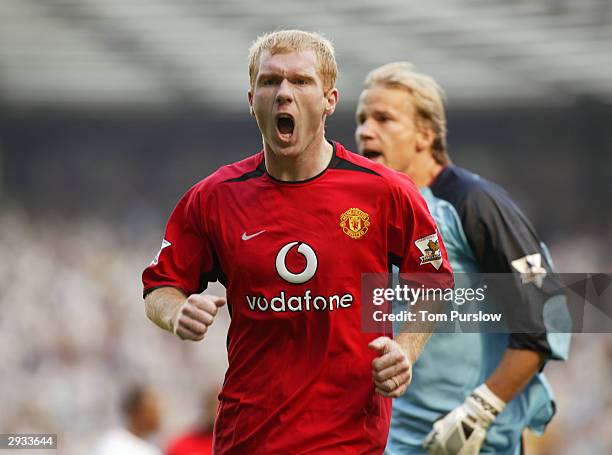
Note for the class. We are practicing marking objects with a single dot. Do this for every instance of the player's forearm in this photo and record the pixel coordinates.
(415, 334)
(162, 304)
(516, 368)
(413, 344)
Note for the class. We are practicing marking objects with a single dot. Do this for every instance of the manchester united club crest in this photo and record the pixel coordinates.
(430, 248)
(355, 223)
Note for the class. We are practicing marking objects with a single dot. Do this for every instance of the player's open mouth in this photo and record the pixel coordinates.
(373, 155)
(285, 125)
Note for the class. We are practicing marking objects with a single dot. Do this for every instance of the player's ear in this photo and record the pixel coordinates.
(425, 138)
(250, 98)
(331, 100)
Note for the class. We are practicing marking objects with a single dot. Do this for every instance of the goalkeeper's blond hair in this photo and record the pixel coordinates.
(427, 96)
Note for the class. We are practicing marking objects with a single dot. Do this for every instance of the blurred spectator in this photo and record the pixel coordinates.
(199, 440)
(142, 413)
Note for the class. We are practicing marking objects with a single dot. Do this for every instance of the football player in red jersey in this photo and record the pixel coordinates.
(289, 231)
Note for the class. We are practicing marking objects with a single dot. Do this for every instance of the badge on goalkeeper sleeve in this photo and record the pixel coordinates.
(463, 430)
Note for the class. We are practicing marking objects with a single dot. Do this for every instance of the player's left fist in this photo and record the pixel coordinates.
(391, 370)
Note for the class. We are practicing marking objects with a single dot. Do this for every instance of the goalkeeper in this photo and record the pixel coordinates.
(471, 392)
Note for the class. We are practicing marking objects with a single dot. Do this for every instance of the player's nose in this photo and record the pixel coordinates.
(364, 131)
(285, 92)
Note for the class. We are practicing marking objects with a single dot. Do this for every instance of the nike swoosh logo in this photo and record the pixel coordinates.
(249, 237)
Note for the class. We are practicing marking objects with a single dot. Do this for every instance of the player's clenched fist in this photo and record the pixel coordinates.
(391, 370)
(195, 316)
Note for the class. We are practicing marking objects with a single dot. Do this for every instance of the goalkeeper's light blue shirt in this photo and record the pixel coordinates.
(483, 231)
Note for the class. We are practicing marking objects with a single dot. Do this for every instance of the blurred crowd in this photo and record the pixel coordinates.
(74, 337)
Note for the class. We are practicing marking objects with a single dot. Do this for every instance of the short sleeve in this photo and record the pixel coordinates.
(186, 259)
(504, 241)
(415, 245)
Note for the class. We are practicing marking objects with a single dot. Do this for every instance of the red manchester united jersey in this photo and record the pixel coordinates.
(291, 256)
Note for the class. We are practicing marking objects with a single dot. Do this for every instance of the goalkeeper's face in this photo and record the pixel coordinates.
(388, 130)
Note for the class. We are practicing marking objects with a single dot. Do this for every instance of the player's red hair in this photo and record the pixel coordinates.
(283, 41)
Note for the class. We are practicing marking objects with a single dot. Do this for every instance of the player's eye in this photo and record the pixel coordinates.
(266, 81)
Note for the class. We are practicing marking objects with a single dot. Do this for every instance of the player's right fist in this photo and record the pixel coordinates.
(196, 314)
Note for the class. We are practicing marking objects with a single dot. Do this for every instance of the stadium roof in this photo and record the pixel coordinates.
(154, 53)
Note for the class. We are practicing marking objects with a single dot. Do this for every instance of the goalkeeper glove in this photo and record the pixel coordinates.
(464, 429)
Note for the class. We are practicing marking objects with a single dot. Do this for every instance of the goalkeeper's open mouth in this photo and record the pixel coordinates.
(374, 155)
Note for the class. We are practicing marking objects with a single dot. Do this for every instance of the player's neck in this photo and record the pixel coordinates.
(425, 173)
(301, 165)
